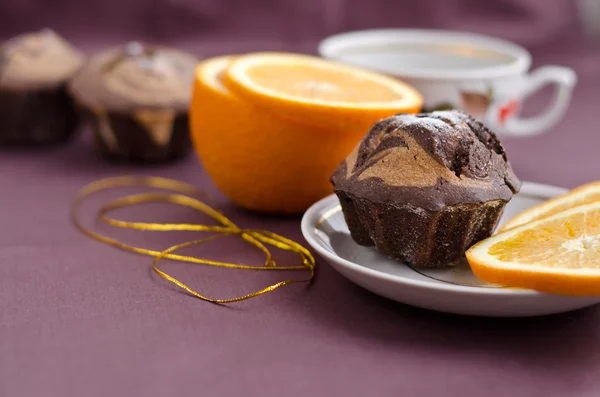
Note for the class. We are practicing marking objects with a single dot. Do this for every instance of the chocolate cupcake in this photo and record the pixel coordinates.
(35, 108)
(423, 188)
(137, 99)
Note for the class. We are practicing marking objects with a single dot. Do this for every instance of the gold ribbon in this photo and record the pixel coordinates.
(258, 238)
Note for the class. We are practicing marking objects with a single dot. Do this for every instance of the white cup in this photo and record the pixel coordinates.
(484, 76)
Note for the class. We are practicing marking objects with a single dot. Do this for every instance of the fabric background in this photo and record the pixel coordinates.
(78, 318)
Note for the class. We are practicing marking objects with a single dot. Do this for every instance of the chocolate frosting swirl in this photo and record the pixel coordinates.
(134, 77)
(428, 161)
(40, 59)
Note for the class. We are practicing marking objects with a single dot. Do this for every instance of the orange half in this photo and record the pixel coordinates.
(259, 159)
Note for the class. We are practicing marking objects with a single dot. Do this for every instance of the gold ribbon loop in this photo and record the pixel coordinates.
(258, 238)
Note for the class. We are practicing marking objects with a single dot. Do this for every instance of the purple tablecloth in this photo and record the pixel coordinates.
(78, 318)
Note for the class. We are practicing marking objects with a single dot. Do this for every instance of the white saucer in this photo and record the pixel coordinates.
(454, 290)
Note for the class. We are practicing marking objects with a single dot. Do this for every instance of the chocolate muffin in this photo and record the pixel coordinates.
(35, 108)
(423, 188)
(136, 98)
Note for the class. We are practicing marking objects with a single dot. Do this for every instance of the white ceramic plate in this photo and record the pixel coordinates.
(454, 290)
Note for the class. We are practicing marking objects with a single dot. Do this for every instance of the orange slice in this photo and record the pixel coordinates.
(557, 254)
(582, 195)
(320, 92)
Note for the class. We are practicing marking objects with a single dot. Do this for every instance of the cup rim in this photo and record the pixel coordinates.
(333, 47)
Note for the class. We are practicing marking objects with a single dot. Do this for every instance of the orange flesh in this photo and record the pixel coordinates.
(572, 242)
(582, 200)
(320, 83)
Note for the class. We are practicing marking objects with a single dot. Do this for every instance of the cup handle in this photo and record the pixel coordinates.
(502, 112)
